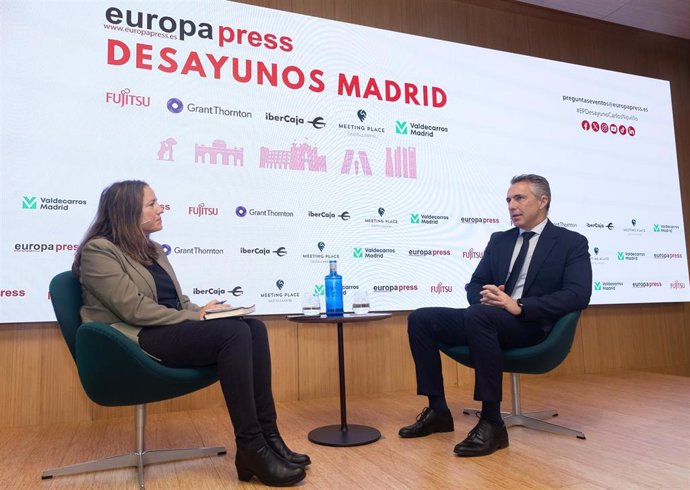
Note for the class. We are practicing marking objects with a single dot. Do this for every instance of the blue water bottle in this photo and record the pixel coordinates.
(334, 291)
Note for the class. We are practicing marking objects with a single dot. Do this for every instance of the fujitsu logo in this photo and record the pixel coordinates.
(441, 288)
(677, 285)
(124, 98)
(472, 254)
(202, 210)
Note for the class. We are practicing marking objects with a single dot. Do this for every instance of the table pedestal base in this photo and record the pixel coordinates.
(355, 435)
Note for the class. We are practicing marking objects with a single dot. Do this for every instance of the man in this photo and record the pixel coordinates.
(527, 279)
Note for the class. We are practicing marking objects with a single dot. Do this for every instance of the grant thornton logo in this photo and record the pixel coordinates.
(175, 105)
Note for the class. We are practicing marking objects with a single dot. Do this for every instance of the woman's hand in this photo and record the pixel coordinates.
(214, 304)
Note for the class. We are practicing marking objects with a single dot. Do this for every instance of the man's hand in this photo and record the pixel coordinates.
(495, 296)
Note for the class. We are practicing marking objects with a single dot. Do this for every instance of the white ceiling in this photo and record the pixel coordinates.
(670, 17)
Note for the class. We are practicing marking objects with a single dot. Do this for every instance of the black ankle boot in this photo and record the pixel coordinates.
(278, 445)
(267, 466)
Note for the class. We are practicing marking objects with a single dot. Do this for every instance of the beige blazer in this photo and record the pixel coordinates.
(119, 291)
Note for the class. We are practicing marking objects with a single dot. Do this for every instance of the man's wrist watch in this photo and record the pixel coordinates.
(522, 307)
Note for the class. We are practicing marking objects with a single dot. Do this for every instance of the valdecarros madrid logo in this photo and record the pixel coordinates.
(427, 219)
(51, 203)
(371, 252)
(418, 129)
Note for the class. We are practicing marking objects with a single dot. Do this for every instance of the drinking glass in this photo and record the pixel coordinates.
(360, 303)
(311, 304)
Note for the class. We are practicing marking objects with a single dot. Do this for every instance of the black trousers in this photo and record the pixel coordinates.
(239, 348)
(485, 329)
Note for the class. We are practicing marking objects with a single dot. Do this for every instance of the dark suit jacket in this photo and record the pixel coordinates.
(559, 278)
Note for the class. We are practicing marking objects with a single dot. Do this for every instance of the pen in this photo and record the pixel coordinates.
(222, 302)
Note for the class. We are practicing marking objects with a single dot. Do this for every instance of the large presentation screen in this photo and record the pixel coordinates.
(277, 142)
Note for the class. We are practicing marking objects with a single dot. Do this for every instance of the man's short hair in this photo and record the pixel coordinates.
(540, 186)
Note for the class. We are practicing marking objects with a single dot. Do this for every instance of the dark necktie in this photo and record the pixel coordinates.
(519, 262)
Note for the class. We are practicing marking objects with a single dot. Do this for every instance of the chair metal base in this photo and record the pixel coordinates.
(139, 458)
(531, 420)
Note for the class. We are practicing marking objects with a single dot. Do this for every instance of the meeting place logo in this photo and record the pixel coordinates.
(320, 253)
(280, 292)
(635, 229)
(599, 256)
(380, 221)
(361, 128)
(36, 203)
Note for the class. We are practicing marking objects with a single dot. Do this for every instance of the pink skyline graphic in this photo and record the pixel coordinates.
(361, 165)
(298, 157)
(401, 162)
(218, 151)
(167, 147)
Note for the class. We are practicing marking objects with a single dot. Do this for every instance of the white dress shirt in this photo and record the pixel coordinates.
(519, 286)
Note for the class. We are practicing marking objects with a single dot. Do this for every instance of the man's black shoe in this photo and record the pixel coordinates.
(428, 422)
(483, 439)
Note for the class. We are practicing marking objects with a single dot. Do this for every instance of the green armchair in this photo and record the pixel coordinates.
(114, 371)
(537, 359)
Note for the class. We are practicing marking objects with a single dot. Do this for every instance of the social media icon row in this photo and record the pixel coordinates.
(606, 128)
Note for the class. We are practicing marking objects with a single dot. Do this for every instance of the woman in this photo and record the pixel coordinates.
(128, 282)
